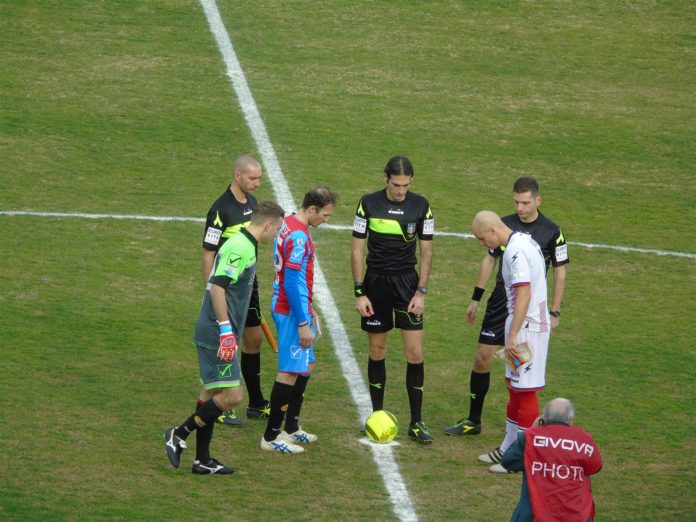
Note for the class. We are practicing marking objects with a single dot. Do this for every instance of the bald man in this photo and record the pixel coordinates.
(230, 213)
(528, 323)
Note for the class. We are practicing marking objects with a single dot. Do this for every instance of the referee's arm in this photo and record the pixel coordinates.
(356, 258)
(362, 304)
(426, 262)
(485, 271)
(559, 284)
(207, 261)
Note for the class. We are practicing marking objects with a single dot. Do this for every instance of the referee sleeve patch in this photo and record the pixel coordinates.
(360, 225)
(212, 236)
(561, 253)
(429, 227)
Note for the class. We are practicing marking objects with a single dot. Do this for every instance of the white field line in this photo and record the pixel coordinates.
(461, 235)
(383, 456)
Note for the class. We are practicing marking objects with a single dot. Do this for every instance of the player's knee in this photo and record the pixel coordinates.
(252, 339)
(378, 351)
(483, 361)
(230, 398)
(528, 408)
(414, 354)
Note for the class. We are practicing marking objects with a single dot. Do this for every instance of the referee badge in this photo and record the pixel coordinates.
(411, 229)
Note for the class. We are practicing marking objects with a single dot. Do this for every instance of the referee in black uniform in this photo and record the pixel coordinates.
(529, 220)
(230, 213)
(392, 293)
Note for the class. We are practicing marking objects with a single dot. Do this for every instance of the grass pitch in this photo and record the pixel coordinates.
(124, 107)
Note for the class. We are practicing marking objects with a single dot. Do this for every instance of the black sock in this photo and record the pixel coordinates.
(478, 385)
(204, 435)
(206, 413)
(292, 416)
(377, 379)
(415, 377)
(251, 371)
(280, 398)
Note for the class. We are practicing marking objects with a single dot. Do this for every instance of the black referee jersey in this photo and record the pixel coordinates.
(391, 228)
(545, 232)
(225, 217)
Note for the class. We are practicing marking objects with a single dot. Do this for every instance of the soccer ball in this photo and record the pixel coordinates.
(381, 426)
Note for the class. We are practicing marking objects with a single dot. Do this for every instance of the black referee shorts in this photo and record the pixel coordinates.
(493, 325)
(390, 296)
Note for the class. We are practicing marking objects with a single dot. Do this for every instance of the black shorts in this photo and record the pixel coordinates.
(390, 296)
(493, 325)
(254, 314)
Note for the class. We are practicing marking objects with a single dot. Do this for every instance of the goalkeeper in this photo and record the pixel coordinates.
(219, 326)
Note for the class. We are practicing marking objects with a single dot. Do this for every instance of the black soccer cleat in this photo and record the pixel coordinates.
(212, 467)
(230, 418)
(464, 427)
(175, 446)
(419, 432)
(259, 413)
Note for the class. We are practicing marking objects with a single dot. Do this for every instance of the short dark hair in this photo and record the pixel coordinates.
(267, 210)
(319, 197)
(526, 184)
(398, 166)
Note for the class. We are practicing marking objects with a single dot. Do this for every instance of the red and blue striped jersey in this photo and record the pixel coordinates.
(293, 250)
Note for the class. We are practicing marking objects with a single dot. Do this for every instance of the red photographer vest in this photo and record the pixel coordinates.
(558, 461)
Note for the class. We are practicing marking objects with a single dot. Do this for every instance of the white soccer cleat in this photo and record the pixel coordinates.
(498, 468)
(280, 445)
(493, 457)
(299, 437)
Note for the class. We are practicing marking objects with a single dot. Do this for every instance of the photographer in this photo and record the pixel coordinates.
(557, 460)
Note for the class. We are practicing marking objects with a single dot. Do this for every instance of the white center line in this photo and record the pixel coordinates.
(439, 233)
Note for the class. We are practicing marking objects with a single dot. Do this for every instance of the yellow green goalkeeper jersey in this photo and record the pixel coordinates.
(235, 271)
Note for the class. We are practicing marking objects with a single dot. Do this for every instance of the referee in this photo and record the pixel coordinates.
(230, 213)
(529, 220)
(392, 293)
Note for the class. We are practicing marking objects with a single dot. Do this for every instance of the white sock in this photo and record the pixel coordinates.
(511, 430)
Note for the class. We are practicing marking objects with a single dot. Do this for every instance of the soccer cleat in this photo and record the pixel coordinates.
(464, 427)
(299, 437)
(280, 445)
(212, 467)
(493, 457)
(175, 446)
(259, 413)
(230, 418)
(498, 468)
(419, 432)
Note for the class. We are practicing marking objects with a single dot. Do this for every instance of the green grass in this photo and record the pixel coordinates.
(124, 107)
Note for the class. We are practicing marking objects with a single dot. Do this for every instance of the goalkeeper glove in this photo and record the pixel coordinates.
(228, 342)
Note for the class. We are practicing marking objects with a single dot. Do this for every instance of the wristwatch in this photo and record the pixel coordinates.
(555, 313)
(423, 289)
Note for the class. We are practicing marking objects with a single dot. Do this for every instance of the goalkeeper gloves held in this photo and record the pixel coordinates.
(228, 342)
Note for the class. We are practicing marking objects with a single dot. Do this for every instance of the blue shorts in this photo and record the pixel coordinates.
(292, 358)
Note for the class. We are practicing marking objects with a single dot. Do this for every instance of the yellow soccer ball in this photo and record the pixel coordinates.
(381, 426)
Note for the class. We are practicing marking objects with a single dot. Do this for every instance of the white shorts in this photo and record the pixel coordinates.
(531, 375)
